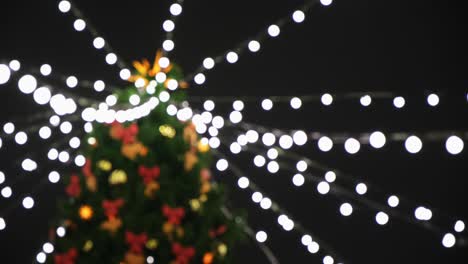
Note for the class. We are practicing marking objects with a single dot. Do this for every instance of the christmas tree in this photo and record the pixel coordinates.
(145, 193)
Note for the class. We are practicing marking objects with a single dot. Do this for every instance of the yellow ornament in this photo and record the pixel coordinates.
(222, 249)
(133, 258)
(190, 134)
(206, 187)
(118, 177)
(105, 165)
(131, 151)
(152, 244)
(203, 146)
(91, 183)
(190, 160)
(167, 131)
(151, 188)
(203, 198)
(86, 212)
(88, 246)
(195, 204)
(112, 225)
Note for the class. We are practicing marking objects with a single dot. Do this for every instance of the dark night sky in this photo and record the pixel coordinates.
(410, 48)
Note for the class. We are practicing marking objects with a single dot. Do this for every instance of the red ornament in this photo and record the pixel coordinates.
(205, 174)
(136, 242)
(73, 189)
(149, 173)
(174, 215)
(87, 172)
(111, 208)
(218, 231)
(183, 254)
(126, 134)
(66, 258)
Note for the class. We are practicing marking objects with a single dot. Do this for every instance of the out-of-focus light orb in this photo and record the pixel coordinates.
(21, 138)
(29, 165)
(9, 128)
(328, 259)
(235, 147)
(449, 240)
(313, 247)
(433, 99)
(28, 202)
(301, 165)
(2, 224)
(413, 144)
(222, 164)
(99, 43)
(454, 145)
(45, 69)
(42, 95)
(393, 201)
(272, 153)
(99, 85)
(268, 139)
(79, 24)
(235, 117)
(261, 236)
(286, 142)
(306, 240)
(323, 187)
(54, 177)
(300, 138)
(208, 63)
(232, 57)
(14, 65)
(243, 182)
(48, 248)
(27, 84)
(218, 122)
(61, 231)
(254, 46)
(111, 58)
(41, 257)
(168, 45)
(325, 144)
(267, 104)
(71, 81)
(5, 74)
(168, 25)
(352, 145)
(295, 103)
(377, 139)
(361, 188)
(273, 167)
(365, 100)
(327, 99)
(52, 154)
(209, 105)
(175, 9)
(252, 136)
(238, 105)
(259, 161)
(64, 6)
(459, 226)
(399, 102)
(298, 16)
(381, 218)
(265, 203)
(330, 176)
(423, 214)
(346, 209)
(274, 30)
(298, 180)
(257, 197)
(6, 192)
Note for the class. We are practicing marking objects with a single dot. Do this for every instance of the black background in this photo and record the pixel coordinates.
(411, 48)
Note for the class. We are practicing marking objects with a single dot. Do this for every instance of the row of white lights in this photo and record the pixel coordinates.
(266, 203)
(79, 25)
(168, 26)
(254, 46)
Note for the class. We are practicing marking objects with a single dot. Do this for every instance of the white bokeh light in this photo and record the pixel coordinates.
(42, 95)
(326, 99)
(79, 24)
(325, 144)
(5, 74)
(208, 63)
(313, 247)
(232, 57)
(433, 99)
(175, 9)
(326, 2)
(454, 145)
(54, 177)
(459, 226)
(352, 146)
(413, 144)
(168, 25)
(268, 139)
(222, 164)
(423, 214)
(301, 165)
(330, 176)
(21, 138)
(381, 218)
(27, 84)
(64, 6)
(168, 45)
(273, 31)
(45, 69)
(273, 167)
(365, 100)
(267, 104)
(99, 43)
(298, 16)
(323, 187)
(298, 180)
(377, 139)
(300, 138)
(28, 202)
(393, 201)
(243, 182)
(399, 102)
(111, 58)
(265, 203)
(261, 236)
(361, 188)
(295, 103)
(286, 142)
(449, 240)
(259, 161)
(346, 209)
(254, 46)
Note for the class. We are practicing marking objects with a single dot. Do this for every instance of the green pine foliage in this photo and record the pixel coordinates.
(155, 174)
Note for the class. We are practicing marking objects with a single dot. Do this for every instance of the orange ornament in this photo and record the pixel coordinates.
(86, 212)
(112, 225)
(190, 160)
(208, 258)
(151, 188)
(132, 258)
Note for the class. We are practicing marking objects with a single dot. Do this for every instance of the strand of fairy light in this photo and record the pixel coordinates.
(80, 24)
(421, 213)
(254, 43)
(287, 223)
(168, 26)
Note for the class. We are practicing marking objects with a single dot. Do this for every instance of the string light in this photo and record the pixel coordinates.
(377, 139)
(41, 257)
(413, 144)
(330, 176)
(328, 260)
(267, 104)
(300, 138)
(64, 6)
(361, 188)
(325, 144)
(454, 145)
(111, 58)
(54, 177)
(48, 248)
(254, 46)
(99, 85)
(29, 165)
(298, 16)
(433, 100)
(222, 165)
(323, 187)
(327, 99)
(365, 100)
(72, 81)
(232, 57)
(99, 43)
(257, 197)
(352, 145)
(268, 139)
(393, 201)
(208, 63)
(6, 192)
(199, 78)
(79, 24)
(273, 31)
(27, 84)
(168, 25)
(14, 65)
(313, 247)
(2, 224)
(326, 2)
(168, 45)
(261, 236)
(28, 202)
(61, 231)
(296, 103)
(449, 240)
(346, 209)
(459, 226)
(5, 74)
(298, 180)
(259, 161)
(423, 214)
(243, 182)
(399, 102)
(175, 9)
(381, 218)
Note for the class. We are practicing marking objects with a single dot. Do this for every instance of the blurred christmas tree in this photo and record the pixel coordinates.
(145, 193)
